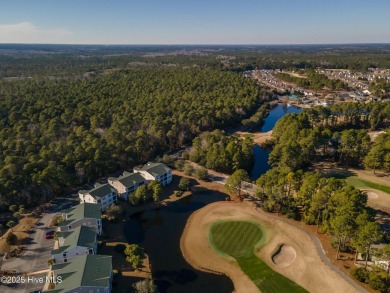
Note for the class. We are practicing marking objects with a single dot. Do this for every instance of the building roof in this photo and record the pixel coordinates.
(82, 211)
(154, 169)
(129, 179)
(82, 236)
(99, 191)
(87, 270)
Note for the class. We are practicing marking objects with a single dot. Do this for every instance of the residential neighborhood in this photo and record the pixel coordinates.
(75, 264)
(358, 84)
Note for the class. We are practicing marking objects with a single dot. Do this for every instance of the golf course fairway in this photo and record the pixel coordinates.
(239, 239)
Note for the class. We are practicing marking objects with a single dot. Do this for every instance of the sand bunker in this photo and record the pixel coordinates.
(306, 269)
(372, 194)
(284, 255)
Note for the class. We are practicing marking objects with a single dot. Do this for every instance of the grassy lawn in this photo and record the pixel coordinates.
(359, 183)
(239, 239)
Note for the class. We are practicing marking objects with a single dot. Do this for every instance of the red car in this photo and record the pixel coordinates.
(49, 234)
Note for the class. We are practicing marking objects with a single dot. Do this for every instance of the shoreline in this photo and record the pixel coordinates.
(198, 252)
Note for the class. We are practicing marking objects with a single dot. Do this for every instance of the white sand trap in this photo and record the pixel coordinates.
(372, 194)
(284, 255)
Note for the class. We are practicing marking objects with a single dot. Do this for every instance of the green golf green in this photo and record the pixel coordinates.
(360, 183)
(239, 240)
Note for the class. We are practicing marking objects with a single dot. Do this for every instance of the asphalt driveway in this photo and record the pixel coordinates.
(33, 260)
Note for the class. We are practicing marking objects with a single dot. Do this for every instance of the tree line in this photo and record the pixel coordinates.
(56, 134)
(313, 80)
(225, 153)
(336, 208)
(336, 132)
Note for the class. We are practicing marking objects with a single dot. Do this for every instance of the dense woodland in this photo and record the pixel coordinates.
(57, 134)
(313, 80)
(74, 61)
(336, 208)
(221, 152)
(336, 133)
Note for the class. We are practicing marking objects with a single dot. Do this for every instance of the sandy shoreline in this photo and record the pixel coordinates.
(258, 137)
(307, 269)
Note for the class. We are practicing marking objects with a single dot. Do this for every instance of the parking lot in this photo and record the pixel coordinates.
(33, 260)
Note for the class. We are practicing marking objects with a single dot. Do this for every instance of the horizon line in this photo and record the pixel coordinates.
(199, 44)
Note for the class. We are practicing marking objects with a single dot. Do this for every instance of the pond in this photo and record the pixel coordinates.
(261, 155)
(159, 232)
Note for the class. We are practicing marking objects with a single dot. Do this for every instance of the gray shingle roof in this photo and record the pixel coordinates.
(82, 211)
(99, 191)
(129, 179)
(154, 169)
(87, 270)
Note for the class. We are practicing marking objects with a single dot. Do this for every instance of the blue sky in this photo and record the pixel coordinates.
(194, 22)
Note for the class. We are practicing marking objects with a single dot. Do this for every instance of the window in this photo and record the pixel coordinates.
(65, 260)
(70, 227)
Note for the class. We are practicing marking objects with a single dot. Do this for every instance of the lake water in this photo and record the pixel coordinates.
(276, 113)
(159, 232)
(261, 155)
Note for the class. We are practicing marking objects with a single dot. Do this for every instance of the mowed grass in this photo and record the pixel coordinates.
(236, 238)
(359, 183)
(239, 239)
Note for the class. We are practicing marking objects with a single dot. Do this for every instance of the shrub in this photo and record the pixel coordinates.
(145, 286)
(360, 274)
(189, 169)
(51, 262)
(377, 281)
(10, 224)
(134, 255)
(185, 184)
(114, 212)
(11, 238)
(167, 160)
(13, 208)
(201, 173)
(179, 165)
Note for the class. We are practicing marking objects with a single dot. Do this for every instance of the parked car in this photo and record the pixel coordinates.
(49, 234)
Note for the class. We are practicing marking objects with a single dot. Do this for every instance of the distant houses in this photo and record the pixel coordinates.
(102, 194)
(71, 244)
(87, 214)
(87, 273)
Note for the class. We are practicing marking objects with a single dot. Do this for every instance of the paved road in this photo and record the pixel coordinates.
(34, 259)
